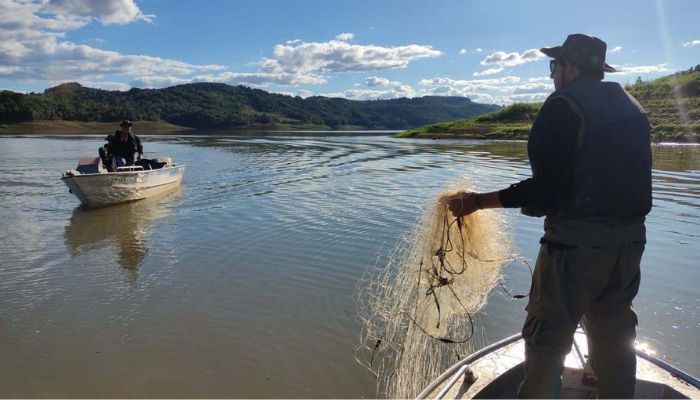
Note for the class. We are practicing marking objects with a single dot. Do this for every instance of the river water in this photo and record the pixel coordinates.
(240, 284)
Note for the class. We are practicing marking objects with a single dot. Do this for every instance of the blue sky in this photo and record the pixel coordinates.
(485, 50)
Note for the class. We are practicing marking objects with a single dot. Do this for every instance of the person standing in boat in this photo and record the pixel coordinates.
(122, 146)
(590, 155)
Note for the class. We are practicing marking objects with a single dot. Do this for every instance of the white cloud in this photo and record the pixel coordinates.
(376, 81)
(691, 43)
(345, 37)
(379, 81)
(641, 69)
(19, 16)
(490, 71)
(462, 52)
(304, 93)
(107, 11)
(158, 81)
(493, 83)
(504, 90)
(503, 59)
(260, 79)
(32, 45)
(368, 94)
(338, 56)
(615, 49)
(52, 60)
(478, 50)
(298, 62)
(103, 85)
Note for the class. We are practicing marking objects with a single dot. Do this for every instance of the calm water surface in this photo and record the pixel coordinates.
(240, 283)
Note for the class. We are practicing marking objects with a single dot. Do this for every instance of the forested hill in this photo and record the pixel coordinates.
(221, 106)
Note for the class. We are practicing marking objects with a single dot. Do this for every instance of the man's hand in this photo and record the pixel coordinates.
(462, 203)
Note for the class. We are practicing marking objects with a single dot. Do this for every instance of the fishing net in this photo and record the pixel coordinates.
(418, 310)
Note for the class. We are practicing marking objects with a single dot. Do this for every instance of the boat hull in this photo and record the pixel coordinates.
(103, 189)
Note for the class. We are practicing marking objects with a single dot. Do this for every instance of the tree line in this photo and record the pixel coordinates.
(222, 106)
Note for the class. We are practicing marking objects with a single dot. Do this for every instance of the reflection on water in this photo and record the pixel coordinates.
(241, 284)
(124, 226)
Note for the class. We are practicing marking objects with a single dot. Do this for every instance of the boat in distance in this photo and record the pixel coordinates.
(94, 186)
(495, 372)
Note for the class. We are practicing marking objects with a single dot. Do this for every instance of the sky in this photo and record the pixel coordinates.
(362, 49)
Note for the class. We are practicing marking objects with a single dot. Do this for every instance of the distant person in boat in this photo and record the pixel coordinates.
(121, 147)
(590, 156)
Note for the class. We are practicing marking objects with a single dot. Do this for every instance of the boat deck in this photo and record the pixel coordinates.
(497, 374)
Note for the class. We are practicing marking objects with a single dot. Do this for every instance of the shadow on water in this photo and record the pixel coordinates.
(125, 226)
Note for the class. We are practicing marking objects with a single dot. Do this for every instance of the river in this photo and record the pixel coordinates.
(240, 284)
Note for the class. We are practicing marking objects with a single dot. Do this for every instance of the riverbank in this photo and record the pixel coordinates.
(514, 123)
(672, 104)
(511, 123)
(82, 127)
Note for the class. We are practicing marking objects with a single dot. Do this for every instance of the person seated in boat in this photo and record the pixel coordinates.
(122, 145)
(106, 156)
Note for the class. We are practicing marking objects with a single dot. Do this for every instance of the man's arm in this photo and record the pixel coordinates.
(139, 147)
(551, 148)
(466, 203)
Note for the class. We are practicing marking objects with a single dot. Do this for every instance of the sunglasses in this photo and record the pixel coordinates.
(552, 65)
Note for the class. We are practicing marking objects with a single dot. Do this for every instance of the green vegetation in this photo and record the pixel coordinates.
(672, 103)
(224, 107)
(512, 122)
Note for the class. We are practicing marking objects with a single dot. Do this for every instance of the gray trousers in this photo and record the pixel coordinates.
(596, 284)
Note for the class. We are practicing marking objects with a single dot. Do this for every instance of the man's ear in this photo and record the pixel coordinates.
(572, 71)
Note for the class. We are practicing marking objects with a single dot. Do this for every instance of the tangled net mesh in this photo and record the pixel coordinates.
(417, 311)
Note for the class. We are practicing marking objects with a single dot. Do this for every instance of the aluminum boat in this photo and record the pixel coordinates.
(96, 187)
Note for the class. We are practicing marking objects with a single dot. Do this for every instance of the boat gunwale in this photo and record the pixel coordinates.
(121, 173)
(467, 360)
(676, 372)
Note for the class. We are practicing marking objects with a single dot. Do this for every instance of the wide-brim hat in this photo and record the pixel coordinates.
(125, 122)
(585, 51)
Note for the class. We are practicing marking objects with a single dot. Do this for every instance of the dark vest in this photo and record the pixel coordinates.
(124, 149)
(612, 163)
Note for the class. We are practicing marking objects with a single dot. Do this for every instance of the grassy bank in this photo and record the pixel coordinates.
(672, 103)
(512, 122)
(66, 127)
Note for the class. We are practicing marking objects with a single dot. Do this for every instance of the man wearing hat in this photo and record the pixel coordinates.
(123, 145)
(590, 155)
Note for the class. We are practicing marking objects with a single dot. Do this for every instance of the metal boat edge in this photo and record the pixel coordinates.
(678, 381)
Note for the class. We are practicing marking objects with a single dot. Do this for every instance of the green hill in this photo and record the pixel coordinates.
(223, 107)
(512, 122)
(672, 103)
